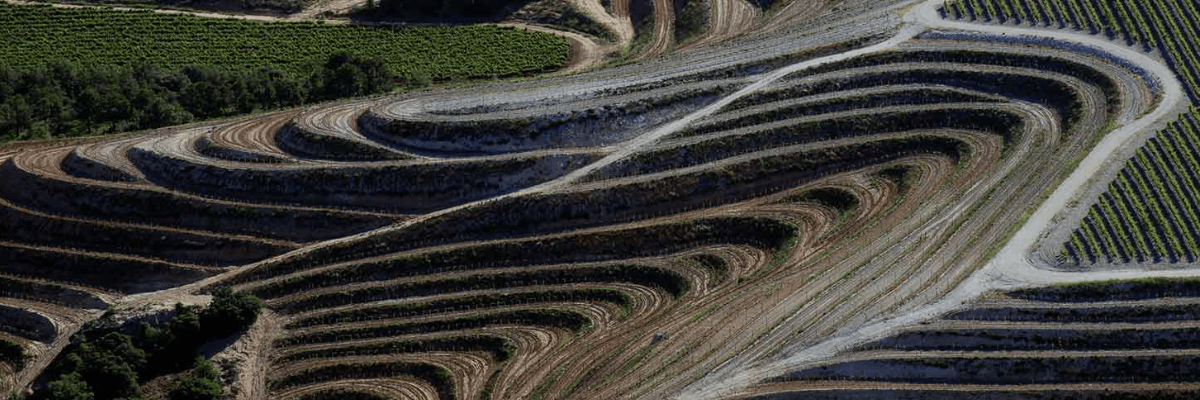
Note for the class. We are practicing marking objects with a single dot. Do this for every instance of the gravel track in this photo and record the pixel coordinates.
(911, 239)
(1011, 267)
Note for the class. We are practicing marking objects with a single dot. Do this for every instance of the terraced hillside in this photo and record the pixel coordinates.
(1145, 216)
(1099, 340)
(671, 229)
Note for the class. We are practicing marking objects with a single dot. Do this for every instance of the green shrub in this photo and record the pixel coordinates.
(202, 383)
(230, 312)
(70, 387)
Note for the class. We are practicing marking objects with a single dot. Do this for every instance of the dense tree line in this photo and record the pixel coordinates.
(105, 363)
(69, 99)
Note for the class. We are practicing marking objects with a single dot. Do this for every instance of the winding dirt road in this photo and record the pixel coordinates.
(833, 290)
(1013, 267)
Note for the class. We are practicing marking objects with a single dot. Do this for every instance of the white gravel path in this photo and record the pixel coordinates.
(1013, 266)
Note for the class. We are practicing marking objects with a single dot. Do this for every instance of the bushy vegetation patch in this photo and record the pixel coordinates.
(77, 98)
(203, 382)
(102, 362)
(691, 19)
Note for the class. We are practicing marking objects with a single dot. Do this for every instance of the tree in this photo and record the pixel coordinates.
(202, 383)
(110, 366)
(230, 312)
(88, 107)
(70, 387)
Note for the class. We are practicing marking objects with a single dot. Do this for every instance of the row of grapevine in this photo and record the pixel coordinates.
(1150, 212)
(1167, 26)
(968, 355)
(37, 34)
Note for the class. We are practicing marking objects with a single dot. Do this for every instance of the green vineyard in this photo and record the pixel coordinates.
(1149, 213)
(1161, 25)
(35, 35)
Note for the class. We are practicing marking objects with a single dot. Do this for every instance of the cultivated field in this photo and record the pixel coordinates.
(1105, 340)
(1145, 216)
(41, 32)
(768, 217)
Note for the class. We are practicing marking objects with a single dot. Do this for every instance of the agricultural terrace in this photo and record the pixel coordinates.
(36, 34)
(1148, 214)
(1133, 340)
(624, 233)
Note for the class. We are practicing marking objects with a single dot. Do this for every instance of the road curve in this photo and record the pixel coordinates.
(1012, 267)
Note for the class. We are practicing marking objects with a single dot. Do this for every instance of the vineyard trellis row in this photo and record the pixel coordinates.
(1150, 211)
(36, 34)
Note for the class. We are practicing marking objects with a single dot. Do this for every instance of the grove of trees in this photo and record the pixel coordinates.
(70, 99)
(105, 363)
